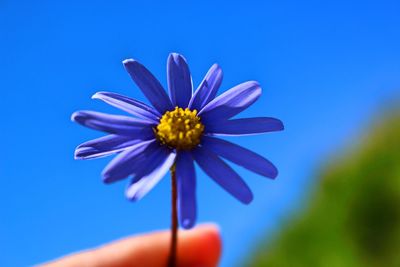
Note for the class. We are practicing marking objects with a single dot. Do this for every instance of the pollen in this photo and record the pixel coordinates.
(180, 129)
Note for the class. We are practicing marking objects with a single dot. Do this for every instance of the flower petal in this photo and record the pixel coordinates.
(179, 80)
(143, 183)
(104, 146)
(129, 105)
(149, 85)
(245, 126)
(232, 102)
(186, 179)
(221, 173)
(114, 124)
(241, 156)
(129, 161)
(208, 88)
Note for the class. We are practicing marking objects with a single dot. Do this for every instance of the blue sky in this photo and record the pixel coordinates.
(325, 68)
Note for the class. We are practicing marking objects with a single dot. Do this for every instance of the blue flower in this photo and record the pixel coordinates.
(176, 132)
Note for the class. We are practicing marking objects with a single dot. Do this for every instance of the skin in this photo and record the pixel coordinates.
(200, 246)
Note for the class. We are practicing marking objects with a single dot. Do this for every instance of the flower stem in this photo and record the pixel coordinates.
(174, 222)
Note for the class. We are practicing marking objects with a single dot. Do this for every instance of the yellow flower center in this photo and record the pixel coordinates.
(180, 129)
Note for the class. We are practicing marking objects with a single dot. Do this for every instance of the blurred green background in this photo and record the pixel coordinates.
(352, 217)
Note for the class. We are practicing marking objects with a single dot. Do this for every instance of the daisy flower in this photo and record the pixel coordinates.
(180, 128)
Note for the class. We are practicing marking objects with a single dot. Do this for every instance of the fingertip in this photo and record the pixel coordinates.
(201, 246)
(213, 243)
(212, 233)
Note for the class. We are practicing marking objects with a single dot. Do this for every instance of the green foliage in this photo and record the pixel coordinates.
(353, 218)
